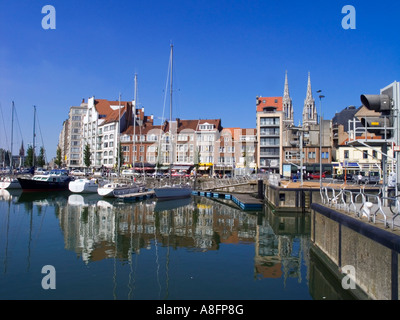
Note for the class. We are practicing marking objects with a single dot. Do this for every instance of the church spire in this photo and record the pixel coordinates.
(309, 110)
(287, 103)
(286, 90)
(309, 92)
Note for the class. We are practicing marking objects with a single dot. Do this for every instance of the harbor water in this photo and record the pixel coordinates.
(57, 246)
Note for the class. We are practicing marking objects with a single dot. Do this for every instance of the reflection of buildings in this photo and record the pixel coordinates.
(101, 230)
(281, 246)
(96, 229)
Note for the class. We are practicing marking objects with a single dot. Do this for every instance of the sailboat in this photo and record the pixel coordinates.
(117, 188)
(10, 182)
(172, 191)
(83, 185)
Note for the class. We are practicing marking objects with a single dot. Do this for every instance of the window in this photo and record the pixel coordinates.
(269, 121)
(346, 154)
(365, 154)
(374, 154)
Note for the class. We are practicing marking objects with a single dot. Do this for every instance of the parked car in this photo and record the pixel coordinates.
(157, 175)
(349, 177)
(316, 175)
(77, 172)
(41, 171)
(130, 173)
(374, 177)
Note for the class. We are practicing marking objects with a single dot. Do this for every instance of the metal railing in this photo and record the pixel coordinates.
(369, 205)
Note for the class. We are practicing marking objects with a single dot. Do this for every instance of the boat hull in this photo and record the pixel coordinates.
(11, 184)
(166, 193)
(83, 186)
(111, 191)
(37, 185)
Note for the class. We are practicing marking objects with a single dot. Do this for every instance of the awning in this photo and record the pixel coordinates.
(228, 167)
(144, 169)
(144, 164)
(181, 167)
(204, 168)
(349, 165)
(208, 164)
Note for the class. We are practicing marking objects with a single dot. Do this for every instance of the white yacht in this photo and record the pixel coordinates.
(9, 183)
(113, 189)
(83, 185)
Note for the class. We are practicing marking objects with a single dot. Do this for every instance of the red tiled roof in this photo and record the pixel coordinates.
(103, 107)
(263, 102)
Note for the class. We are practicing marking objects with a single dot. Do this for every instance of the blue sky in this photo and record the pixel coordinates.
(225, 54)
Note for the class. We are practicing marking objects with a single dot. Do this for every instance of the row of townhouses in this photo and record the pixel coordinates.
(276, 144)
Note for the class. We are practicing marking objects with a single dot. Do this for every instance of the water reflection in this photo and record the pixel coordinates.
(108, 230)
(97, 229)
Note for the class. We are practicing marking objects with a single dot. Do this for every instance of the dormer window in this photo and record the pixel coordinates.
(206, 126)
(269, 109)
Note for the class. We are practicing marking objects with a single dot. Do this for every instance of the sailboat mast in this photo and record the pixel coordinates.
(170, 118)
(134, 126)
(34, 136)
(118, 133)
(12, 131)
(170, 91)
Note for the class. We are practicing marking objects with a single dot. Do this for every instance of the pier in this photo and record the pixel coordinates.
(245, 201)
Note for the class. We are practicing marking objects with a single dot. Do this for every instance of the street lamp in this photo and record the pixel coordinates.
(320, 138)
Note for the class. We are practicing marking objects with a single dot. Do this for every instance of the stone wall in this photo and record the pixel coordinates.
(372, 252)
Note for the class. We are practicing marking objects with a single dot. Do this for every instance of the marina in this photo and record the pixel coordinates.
(242, 171)
(188, 235)
(192, 248)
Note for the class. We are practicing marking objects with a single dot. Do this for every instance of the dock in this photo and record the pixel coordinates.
(243, 200)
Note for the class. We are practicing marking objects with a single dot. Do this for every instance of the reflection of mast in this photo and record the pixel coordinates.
(8, 227)
(137, 251)
(156, 214)
(30, 240)
(167, 261)
(130, 258)
(115, 255)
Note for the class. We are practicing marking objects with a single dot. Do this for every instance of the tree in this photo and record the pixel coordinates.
(29, 157)
(86, 156)
(58, 160)
(120, 156)
(41, 159)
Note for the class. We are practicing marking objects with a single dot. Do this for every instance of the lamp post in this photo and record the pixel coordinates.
(320, 138)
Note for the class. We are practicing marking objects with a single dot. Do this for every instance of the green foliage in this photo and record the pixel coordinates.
(86, 156)
(29, 157)
(41, 159)
(58, 160)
